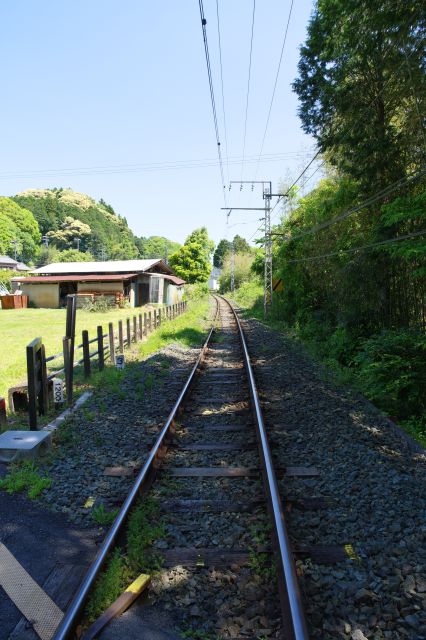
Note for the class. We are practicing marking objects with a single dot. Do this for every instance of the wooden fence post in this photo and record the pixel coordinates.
(37, 381)
(120, 336)
(111, 342)
(128, 335)
(159, 318)
(145, 324)
(67, 368)
(150, 321)
(135, 329)
(86, 352)
(100, 348)
(140, 327)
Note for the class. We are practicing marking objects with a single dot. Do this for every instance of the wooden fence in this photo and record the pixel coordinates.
(106, 344)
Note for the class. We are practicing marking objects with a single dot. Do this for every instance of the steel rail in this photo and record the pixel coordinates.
(70, 619)
(296, 627)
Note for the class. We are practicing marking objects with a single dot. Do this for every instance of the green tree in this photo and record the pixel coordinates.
(17, 223)
(361, 87)
(241, 245)
(156, 247)
(242, 271)
(200, 236)
(190, 263)
(73, 255)
(222, 249)
(70, 233)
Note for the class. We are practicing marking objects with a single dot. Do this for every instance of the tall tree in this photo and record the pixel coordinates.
(222, 249)
(200, 236)
(362, 89)
(190, 263)
(72, 232)
(17, 223)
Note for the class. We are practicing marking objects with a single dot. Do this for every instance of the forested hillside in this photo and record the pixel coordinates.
(352, 253)
(73, 227)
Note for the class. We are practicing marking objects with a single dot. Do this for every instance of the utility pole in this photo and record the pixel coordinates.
(77, 241)
(103, 253)
(166, 253)
(267, 288)
(15, 248)
(45, 241)
(267, 195)
(233, 267)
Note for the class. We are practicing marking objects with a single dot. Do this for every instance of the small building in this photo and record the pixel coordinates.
(213, 281)
(13, 265)
(137, 281)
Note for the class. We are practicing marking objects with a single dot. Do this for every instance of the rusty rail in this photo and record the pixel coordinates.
(70, 619)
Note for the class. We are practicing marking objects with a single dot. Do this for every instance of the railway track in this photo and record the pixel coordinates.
(212, 474)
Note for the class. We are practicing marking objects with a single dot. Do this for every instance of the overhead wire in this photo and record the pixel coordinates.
(209, 73)
(248, 86)
(221, 82)
(388, 49)
(135, 168)
(362, 248)
(275, 83)
(369, 201)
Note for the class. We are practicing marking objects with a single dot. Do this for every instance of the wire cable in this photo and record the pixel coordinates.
(248, 86)
(362, 248)
(135, 168)
(221, 82)
(369, 201)
(275, 84)
(209, 73)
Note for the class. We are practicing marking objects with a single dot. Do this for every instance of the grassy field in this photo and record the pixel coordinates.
(19, 326)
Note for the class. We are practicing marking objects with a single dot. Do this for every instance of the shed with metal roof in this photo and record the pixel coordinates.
(137, 281)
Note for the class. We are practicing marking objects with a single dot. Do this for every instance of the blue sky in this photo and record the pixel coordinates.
(93, 91)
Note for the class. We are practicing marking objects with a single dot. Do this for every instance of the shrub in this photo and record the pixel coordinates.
(6, 276)
(196, 291)
(392, 372)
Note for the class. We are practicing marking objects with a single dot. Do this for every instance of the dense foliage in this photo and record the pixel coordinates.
(361, 87)
(242, 270)
(192, 261)
(71, 222)
(52, 208)
(351, 253)
(17, 223)
(224, 248)
(156, 247)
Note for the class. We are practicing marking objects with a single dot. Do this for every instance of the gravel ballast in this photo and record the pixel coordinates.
(374, 485)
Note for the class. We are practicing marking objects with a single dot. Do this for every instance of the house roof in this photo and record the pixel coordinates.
(177, 281)
(7, 260)
(110, 266)
(14, 264)
(21, 266)
(113, 277)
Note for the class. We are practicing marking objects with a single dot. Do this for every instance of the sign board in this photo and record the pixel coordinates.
(277, 285)
(119, 360)
(58, 391)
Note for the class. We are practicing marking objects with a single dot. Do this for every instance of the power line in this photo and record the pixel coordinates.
(369, 201)
(135, 168)
(221, 82)
(362, 248)
(248, 86)
(344, 137)
(275, 83)
(209, 73)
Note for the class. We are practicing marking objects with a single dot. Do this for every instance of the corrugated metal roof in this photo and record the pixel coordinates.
(177, 281)
(7, 260)
(110, 266)
(113, 277)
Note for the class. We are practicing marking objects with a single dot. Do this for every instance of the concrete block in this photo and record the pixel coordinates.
(16, 445)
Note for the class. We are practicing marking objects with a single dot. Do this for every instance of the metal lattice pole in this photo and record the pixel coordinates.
(233, 267)
(267, 294)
